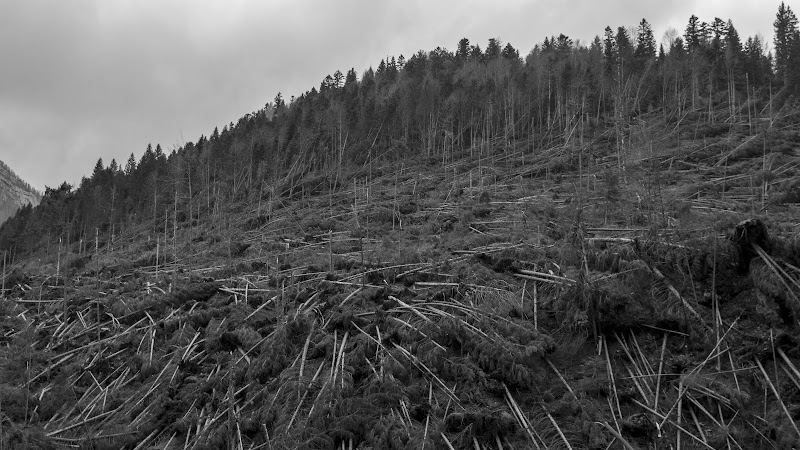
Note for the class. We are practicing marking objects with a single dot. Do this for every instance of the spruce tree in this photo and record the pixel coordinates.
(462, 53)
(645, 42)
(338, 79)
(131, 165)
(693, 36)
(493, 50)
(786, 42)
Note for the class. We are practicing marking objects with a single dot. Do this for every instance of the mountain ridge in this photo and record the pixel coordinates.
(14, 193)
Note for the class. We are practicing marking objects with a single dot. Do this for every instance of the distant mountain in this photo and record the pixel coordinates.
(14, 193)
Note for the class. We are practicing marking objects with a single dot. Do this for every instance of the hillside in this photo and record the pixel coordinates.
(592, 248)
(14, 193)
(516, 298)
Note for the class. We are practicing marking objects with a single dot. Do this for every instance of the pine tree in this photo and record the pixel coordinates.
(509, 52)
(676, 47)
(733, 48)
(338, 79)
(97, 173)
(326, 85)
(693, 37)
(563, 44)
(391, 69)
(609, 47)
(645, 46)
(131, 165)
(624, 48)
(493, 50)
(757, 64)
(462, 53)
(476, 54)
(719, 32)
(786, 42)
(645, 42)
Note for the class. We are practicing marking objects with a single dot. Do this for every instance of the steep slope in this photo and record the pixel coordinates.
(14, 193)
(515, 298)
(391, 263)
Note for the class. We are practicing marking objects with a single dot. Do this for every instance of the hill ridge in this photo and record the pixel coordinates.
(14, 193)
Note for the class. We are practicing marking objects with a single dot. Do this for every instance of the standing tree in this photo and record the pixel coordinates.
(462, 53)
(609, 52)
(694, 36)
(493, 50)
(787, 44)
(645, 42)
(756, 63)
(131, 165)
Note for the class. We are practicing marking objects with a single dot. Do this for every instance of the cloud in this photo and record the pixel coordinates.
(86, 79)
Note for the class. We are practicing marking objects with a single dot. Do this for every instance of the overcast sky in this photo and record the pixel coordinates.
(83, 79)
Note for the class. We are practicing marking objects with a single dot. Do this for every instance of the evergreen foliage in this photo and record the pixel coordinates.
(437, 103)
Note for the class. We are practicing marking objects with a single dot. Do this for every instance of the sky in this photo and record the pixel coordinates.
(88, 79)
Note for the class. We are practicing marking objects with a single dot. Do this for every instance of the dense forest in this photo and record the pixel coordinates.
(438, 104)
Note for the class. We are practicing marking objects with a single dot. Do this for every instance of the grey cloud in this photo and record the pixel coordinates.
(86, 79)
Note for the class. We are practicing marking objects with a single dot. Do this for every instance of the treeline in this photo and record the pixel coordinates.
(440, 104)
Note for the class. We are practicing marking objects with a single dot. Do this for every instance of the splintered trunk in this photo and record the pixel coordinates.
(166, 223)
(710, 105)
(58, 259)
(549, 100)
(155, 203)
(4, 274)
(749, 116)
(175, 231)
(251, 166)
(208, 189)
(189, 184)
(111, 217)
(508, 117)
(260, 196)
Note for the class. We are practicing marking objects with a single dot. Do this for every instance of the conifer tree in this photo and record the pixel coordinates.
(462, 53)
(476, 54)
(645, 42)
(338, 79)
(757, 66)
(98, 169)
(609, 51)
(693, 37)
(786, 43)
(493, 50)
(130, 166)
(733, 50)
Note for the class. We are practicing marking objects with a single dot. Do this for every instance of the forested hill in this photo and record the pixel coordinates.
(14, 193)
(440, 104)
(591, 247)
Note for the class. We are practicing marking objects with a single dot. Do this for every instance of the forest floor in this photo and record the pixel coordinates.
(569, 296)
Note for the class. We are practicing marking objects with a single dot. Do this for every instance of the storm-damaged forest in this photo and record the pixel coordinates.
(442, 105)
(594, 245)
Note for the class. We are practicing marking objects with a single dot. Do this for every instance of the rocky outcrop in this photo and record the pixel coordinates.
(14, 193)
